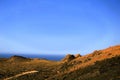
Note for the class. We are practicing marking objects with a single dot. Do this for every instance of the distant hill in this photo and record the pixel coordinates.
(99, 65)
(46, 56)
(18, 58)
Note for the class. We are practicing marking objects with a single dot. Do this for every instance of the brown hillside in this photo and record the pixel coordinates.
(97, 55)
(99, 65)
(84, 62)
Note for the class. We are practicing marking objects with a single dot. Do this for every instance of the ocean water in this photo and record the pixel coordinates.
(48, 57)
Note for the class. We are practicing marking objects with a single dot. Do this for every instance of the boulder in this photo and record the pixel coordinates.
(68, 57)
(77, 55)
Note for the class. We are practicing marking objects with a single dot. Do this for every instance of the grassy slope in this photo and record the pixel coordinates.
(108, 69)
(100, 65)
(45, 68)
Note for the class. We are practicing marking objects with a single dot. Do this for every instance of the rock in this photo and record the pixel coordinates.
(77, 55)
(68, 57)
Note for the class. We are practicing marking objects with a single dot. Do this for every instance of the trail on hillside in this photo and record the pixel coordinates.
(22, 74)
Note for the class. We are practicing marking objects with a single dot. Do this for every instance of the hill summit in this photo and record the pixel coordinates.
(17, 58)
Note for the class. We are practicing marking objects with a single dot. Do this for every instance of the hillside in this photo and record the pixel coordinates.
(99, 65)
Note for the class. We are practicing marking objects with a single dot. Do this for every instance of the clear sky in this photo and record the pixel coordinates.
(58, 26)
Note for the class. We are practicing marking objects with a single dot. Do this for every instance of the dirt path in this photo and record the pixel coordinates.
(24, 73)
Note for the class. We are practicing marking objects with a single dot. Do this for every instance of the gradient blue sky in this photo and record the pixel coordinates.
(58, 26)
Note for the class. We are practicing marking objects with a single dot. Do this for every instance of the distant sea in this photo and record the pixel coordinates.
(48, 57)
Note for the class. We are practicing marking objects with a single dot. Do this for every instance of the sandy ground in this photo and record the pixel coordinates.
(18, 75)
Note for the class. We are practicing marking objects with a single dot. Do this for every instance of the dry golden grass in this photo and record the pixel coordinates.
(90, 59)
(46, 69)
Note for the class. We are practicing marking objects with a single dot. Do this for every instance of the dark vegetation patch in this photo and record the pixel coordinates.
(108, 69)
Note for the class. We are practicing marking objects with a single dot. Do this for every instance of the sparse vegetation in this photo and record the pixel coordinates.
(100, 65)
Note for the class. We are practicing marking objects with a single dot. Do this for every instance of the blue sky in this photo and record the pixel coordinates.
(58, 26)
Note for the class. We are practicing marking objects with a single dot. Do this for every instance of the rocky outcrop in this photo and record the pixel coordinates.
(68, 57)
(78, 55)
